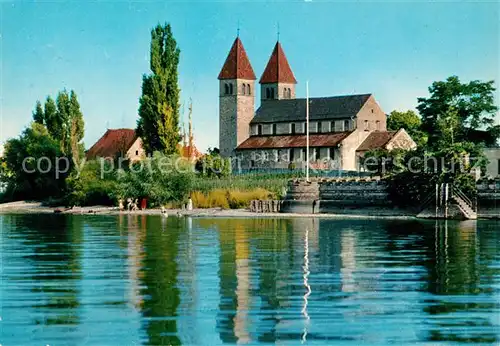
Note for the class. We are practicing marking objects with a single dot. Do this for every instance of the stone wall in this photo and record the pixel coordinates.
(352, 192)
(236, 110)
(488, 199)
(301, 197)
(340, 196)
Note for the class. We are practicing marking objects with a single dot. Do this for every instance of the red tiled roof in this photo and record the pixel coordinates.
(376, 140)
(237, 64)
(112, 143)
(293, 141)
(186, 151)
(278, 70)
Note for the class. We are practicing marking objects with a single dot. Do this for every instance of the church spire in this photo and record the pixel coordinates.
(237, 65)
(278, 70)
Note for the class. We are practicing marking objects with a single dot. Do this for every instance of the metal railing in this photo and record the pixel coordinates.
(470, 203)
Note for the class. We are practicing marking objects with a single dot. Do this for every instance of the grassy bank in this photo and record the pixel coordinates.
(229, 198)
(269, 182)
(237, 191)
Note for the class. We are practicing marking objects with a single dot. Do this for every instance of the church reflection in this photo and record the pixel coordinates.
(275, 277)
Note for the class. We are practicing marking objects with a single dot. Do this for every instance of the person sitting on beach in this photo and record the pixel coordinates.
(134, 205)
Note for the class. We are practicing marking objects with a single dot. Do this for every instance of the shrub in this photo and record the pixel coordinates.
(160, 179)
(90, 187)
(226, 198)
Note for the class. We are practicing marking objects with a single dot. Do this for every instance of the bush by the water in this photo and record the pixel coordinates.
(160, 179)
(92, 186)
(229, 199)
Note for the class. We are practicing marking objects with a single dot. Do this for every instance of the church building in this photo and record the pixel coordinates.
(341, 128)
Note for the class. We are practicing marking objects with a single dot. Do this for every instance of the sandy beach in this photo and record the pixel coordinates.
(25, 207)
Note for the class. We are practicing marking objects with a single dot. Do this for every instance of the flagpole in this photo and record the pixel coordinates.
(307, 130)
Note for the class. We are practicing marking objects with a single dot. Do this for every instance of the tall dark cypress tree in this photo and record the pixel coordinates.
(38, 115)
(158, 123)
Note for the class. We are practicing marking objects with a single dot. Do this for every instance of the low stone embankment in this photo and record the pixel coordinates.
(488, 199)
(340, 196)
(367, 196)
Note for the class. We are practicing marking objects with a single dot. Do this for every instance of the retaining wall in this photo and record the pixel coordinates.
(488, 199)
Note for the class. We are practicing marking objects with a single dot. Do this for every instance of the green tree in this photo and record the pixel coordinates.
(77, 128)
(38, 115)
(27, 178)
(410, 121)
(213, 165)
(92, 185)
(160, 179)
(474, 106)
(158, 123)
(51, 118)
(64, 122)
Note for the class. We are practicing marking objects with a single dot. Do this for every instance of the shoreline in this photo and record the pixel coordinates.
(37, 208)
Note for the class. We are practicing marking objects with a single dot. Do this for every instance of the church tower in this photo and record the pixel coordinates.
(236, 99)
(277, 81)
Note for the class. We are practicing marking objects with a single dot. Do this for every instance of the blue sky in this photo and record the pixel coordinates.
(394, 50)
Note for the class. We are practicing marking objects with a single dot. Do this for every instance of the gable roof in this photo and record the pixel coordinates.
(320, 108)
(293, 141)
(277, 70)
(112, 143)
(188, 151)
(237, 64)
(377, 140)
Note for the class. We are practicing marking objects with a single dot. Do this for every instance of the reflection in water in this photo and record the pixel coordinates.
(306, 284)
(160, 291)
(150, 280)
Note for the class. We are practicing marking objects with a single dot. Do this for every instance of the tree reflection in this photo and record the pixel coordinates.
(159, 278)
(454, 280)
(56, 259)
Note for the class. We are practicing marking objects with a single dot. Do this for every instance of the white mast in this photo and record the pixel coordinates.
(307, 130)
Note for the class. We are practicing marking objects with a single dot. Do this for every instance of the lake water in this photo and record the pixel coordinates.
(129, 280)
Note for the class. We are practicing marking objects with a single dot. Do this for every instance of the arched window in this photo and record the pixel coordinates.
(288, 93)
(367, 125)
(226, 89)
(378, 125)
(268, 93)
(272, 93)
(249, 92)
(243, 89)
(230, 89)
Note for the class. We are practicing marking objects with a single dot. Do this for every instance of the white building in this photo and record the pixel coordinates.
(493, 168)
